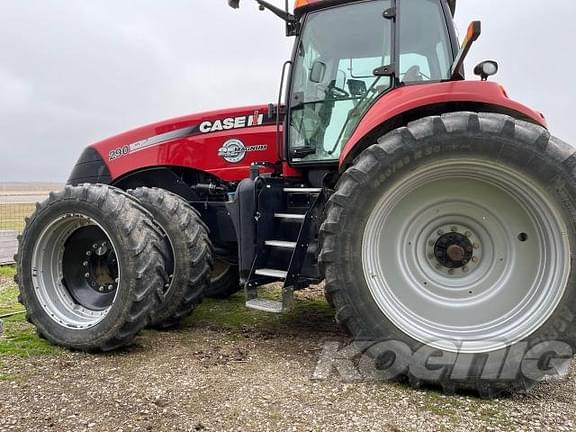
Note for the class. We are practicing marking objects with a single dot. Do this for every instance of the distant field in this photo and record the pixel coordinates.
(18, 201)
(27, 188)
(12, 215)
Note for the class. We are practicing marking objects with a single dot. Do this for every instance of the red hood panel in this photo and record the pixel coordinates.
(223, 143)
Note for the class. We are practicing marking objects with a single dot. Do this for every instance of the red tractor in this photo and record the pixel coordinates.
(440, 213)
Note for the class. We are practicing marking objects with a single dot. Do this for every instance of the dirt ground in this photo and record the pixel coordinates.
(232, 370)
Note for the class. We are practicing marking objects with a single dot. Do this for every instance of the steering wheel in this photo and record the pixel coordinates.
(337, 92)
(414, 74)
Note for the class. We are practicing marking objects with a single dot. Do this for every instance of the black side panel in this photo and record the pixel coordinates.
(242, 211)
(90, 168)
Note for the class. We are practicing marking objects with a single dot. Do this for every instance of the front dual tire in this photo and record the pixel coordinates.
(96, 265)
(89, 264)
(455, 234)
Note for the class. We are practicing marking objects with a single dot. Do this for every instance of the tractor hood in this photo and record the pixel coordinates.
(223, 143)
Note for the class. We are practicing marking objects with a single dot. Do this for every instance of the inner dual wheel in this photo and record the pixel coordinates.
(460, 231)
(188, 254)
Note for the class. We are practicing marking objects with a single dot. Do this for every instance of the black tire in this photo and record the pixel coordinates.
(189, 254)
(72, 219)
(522, 146)
(224, 280)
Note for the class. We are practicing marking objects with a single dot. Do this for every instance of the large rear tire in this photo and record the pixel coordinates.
(189, 254)
(88, 267)
(449, 247)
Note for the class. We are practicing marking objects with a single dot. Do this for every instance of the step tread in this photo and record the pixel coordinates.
(280, 274)
(302, 190)
(290, 216)
(265, 305)
(281, 244)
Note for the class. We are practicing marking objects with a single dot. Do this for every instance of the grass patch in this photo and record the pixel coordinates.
(307, 314)
(8, 291)
(19, 338)
(8, 377)
(7, 272)
(230, 313)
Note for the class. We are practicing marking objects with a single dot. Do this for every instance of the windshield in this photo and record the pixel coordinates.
(333, 81)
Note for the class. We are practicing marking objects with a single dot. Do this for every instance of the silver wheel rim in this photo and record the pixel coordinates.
(517, 271)
(49, 276)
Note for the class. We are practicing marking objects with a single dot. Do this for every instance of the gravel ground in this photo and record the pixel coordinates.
(216, 378)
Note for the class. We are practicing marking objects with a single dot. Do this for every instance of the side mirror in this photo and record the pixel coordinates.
(317, 72)
(486, 69)
(234, 4)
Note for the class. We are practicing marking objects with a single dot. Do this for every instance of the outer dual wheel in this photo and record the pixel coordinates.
(188, 254)
(89, 266)
(455, 235)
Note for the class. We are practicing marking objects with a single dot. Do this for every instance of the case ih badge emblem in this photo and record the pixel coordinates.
(234, 150)
(230, 123)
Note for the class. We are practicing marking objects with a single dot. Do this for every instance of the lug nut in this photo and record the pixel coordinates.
(94, 246)
(451, 271)
(431, 243)
(85, 263)
(440, 232)
(101, 289)
(468, 234)
(110, 287)
(465, 269)
(475, 259)
(454, 229)
(117, 280)
(476, 246)
(438, 267)
(88, 253)
(430, 256)
(86, 275)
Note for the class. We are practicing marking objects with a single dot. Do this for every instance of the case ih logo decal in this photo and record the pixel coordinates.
(256, 119)
(234, 150)
(230, 123)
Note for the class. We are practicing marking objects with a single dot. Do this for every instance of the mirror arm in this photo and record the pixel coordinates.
(288, 17)
(473, 33)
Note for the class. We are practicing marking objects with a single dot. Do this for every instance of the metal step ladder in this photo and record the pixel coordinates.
(298, 249)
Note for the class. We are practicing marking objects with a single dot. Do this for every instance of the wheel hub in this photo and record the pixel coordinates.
(100, 266)
(453, 250)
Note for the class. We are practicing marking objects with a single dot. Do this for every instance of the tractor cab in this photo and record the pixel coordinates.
(349, 54)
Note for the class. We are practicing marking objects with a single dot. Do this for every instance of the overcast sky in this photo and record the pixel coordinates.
(73, 72)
